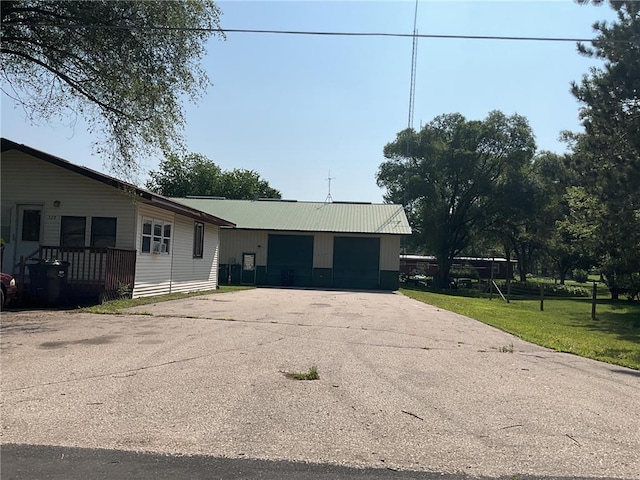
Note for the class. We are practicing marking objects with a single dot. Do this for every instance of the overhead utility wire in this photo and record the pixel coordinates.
(336, 34)
(409, 35)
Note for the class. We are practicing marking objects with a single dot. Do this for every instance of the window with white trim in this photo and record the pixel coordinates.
(156, 236)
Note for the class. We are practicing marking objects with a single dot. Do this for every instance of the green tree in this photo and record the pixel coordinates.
(516, 217)
(195, 174)
(561, 206)
(447, 175)
(574, 241)
(245, 184)
(607, 154)
(124, 66)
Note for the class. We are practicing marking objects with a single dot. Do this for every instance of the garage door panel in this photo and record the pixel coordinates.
(356, 262)
(289, 260)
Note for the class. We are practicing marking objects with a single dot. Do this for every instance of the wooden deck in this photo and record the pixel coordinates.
(106, 273)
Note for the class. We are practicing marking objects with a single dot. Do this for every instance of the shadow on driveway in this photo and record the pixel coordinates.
(63, 463)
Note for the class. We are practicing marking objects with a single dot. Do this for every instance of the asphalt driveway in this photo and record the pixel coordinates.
(402, 385)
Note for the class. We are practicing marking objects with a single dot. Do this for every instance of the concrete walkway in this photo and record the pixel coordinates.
(402, 385)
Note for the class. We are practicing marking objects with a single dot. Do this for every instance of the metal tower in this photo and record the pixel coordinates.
(414, 56)
(329, 198)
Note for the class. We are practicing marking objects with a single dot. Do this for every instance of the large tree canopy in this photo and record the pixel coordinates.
(607, 154)
(124, 66)
(448, 176)
(195, 174)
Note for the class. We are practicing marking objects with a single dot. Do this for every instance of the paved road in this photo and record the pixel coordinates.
(28, 462)
(403, 385)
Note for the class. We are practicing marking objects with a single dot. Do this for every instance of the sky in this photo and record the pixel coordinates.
(302, 109)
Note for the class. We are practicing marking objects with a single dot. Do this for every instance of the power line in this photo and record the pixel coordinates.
(336, 34)
(408, 35)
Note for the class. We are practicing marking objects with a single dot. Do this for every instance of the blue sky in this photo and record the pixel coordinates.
(295, 108)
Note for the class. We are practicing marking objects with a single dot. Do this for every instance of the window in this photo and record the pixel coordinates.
(103, 231)
(146, 235)
(198, 240)
(166, 238)
(72, 231)
(31, 225)
(156, 236)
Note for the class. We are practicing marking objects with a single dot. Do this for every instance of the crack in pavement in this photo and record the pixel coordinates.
(132, 370)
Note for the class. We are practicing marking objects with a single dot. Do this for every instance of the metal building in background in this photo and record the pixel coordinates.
(308, 244)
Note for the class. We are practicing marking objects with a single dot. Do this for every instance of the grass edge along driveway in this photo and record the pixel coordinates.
(115, 307)
(565, 325)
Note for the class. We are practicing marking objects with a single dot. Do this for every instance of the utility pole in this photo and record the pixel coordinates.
(414, 56)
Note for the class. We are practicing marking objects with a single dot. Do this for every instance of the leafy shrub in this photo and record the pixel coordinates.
(624, 284)
(580, 276)
(465, 272)
(557, 290)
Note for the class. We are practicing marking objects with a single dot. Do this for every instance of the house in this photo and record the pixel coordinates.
(428, 265)
(116, 237)
(308, 244)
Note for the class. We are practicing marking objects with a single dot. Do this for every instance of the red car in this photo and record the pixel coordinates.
(8, 290)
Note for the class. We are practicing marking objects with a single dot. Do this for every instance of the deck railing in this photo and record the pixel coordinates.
(87, 265)
(120, 274)
(107, 271)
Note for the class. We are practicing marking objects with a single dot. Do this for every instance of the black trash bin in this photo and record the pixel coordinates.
(48, 279)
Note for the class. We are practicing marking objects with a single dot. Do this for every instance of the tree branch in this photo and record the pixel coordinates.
(69, 81)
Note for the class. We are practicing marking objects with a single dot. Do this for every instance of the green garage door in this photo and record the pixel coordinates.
(290, 260)
(356, 262)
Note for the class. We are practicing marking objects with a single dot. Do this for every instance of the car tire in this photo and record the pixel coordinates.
(1, 298)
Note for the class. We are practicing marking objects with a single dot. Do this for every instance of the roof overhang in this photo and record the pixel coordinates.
(141, 194)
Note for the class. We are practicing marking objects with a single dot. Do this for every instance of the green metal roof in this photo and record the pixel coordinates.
(286, 215)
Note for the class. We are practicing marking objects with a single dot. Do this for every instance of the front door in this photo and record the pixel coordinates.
(248, 269)
(29, 233)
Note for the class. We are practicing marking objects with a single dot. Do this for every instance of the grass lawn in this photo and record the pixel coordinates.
(565, 324)
(116, 306)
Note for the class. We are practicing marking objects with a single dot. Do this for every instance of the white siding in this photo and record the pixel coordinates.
(29, 180)
(191, 274)
(233, 243)
(153, 271)
(177, 271)
(390, 252)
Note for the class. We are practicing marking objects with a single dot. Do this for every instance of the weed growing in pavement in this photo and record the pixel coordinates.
(312, 374)
(506, 348)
